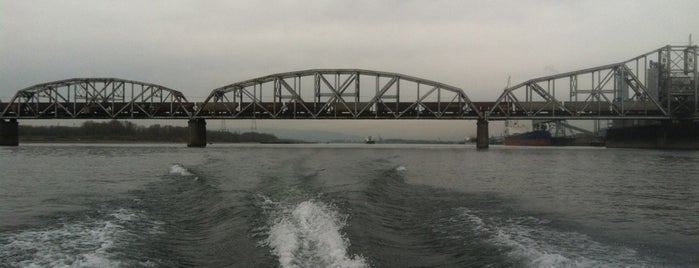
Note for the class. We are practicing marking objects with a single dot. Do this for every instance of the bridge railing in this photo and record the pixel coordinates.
(661, 83)
(96, 98)
(337, 94)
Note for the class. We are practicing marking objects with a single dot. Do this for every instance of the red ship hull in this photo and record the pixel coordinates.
(534, 138)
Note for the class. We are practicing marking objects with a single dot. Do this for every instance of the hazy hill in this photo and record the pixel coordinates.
(306, 135)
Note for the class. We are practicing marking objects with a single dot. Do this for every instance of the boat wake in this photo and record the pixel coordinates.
(533, 242)
(178, 169)
(74, 244)
(309, 234)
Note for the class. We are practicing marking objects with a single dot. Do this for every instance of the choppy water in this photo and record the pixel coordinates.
(347, 206)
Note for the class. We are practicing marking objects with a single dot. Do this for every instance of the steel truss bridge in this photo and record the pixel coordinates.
(95, 98)
(658, 85)
(661, 84)
(338, 94)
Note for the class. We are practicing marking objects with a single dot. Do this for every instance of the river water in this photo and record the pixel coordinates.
(347, 206)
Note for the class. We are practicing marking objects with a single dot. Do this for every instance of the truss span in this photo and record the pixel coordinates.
(337, 94)
(96, 98)
(660, 84)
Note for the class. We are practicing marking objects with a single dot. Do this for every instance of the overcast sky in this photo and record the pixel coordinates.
(195, 46)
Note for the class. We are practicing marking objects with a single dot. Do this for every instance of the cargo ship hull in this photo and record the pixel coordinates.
(668, 135)
(532, 138)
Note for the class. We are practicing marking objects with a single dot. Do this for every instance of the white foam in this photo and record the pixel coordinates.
(147, 263)
(123, 214)
(309, 235)
(532, 241)
(476, 222)
(401, 168)
(179, 170)
(78, 244)
(531, 251)
(267, 202)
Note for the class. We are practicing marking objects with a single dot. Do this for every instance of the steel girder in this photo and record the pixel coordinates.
(96, 98)
(660, 84)
(337, 94)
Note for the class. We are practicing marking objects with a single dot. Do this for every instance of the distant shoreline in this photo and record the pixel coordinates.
(127, 132)
(117, 141)
(97, 141)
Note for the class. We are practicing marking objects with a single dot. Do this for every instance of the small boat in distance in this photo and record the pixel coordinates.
(368, 140)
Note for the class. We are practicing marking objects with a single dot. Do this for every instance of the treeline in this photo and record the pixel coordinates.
(127, 131)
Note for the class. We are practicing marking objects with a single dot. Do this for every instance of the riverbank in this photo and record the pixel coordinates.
(127, 132)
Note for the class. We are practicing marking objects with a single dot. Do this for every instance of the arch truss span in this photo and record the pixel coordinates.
(659, 84)
(337, 94)
(96, 98)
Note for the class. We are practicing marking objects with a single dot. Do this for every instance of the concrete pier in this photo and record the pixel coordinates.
(197, 133)
(9, 132)
(482, 139)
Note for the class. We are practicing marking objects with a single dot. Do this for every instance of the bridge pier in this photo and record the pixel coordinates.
(197, 133)
(482, 139)
(9, 132)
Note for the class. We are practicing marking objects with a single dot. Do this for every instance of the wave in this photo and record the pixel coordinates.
(309, 234)
(536, 244)
(77, 244)
(437, 221)
(178, 169)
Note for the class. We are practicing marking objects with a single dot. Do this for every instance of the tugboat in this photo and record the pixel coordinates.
(368, 140)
